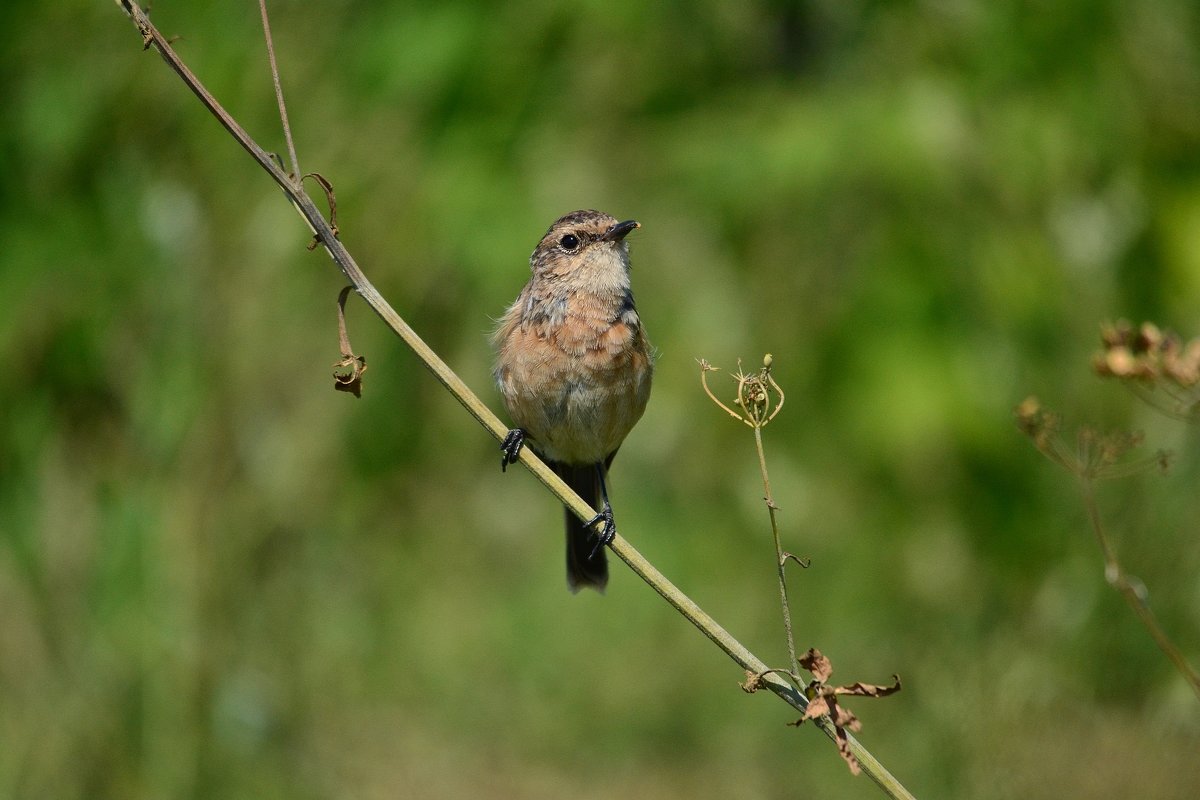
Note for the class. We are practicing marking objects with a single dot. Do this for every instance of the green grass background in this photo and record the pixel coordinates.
(220, 578)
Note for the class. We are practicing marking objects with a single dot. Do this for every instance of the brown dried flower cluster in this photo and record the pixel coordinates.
(1149, 358)
(1093, 456)
(758, 395)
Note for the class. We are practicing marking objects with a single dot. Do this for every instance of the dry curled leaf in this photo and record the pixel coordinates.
(843, 746)
(348, 372)
(816, 663)
(330, 198)
(823, 701)
(817, 707)
(860, 689)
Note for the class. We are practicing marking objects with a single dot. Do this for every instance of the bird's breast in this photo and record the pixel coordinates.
(579, 386)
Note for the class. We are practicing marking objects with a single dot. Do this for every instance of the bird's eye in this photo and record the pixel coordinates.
(569, 241)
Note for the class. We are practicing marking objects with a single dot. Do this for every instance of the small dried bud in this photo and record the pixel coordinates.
(1115, 334)
(1149, 338)
(1118, 362)
(1029, 408)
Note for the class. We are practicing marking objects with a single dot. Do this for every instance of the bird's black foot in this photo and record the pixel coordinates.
(510, 448)
(607, 532)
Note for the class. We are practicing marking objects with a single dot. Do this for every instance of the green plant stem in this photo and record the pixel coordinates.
(151, 37)
(1133, 590)
(779, 559)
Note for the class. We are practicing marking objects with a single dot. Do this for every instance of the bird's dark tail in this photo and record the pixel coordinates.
(583, 568)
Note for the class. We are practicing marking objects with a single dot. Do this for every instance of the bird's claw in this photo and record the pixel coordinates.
(607, 532)
(510, 448)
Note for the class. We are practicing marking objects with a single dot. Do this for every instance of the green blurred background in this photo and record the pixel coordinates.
(220, 578)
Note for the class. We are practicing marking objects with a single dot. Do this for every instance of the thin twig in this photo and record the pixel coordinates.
(706, 368)
(1094, 458)
(1133, 590)
(780, 559)
(754, 392)
(620, 546)
(283, 115)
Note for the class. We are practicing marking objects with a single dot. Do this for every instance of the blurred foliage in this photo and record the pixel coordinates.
(220, 578)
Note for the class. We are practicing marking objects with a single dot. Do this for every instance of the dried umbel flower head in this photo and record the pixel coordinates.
(758, 395)
(1093, 456)
(1159, 366)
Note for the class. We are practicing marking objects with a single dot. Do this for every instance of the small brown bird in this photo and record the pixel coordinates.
(574, 368)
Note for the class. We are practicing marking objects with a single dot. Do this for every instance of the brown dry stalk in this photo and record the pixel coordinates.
(1094, 458)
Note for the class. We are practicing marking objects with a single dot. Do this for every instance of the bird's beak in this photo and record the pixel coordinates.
(618, 232)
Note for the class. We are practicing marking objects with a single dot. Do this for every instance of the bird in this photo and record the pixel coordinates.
(574, 367)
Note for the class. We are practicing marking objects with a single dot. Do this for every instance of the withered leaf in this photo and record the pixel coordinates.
(823, 701)
(817, 707)
(860, 689)
(843, 746)
(817, 664)
(752, 683)
(347, 376)
(843, 717)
